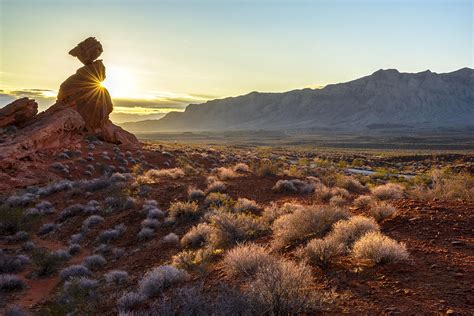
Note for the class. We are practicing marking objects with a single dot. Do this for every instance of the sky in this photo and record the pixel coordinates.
(162, 55)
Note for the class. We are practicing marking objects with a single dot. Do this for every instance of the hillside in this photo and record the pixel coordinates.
(387, 99)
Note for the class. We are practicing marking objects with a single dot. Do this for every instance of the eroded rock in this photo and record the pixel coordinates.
(87, 51)
(18, 112)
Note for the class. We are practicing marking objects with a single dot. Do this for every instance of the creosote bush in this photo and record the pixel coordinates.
(378, 248)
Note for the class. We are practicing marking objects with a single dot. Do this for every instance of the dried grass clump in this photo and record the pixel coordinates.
(232, 228)
(194, 260)
(389, 191)
(308, 222)
(284, 289)
(245, 260)
(195, 194)
(378, 248)
(11, 282)
(171, 239)
(272, 212)
(160, 278)
(351, 184)
(295, 185)
(74, 271)
(381, 211)
(128, 301)
(338, 201)
(214, 185)
(321, 252)
(216, 199)
(446, 185)
(364, 201)
(241, 167)
(246, 205)
(116, 277)
(183, 210)
(346, 232)
(197, 236)
(226, 173)
(154, 175)
(266, 168)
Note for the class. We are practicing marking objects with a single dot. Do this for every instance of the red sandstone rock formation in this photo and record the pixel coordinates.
(18, 112)
(82, 108)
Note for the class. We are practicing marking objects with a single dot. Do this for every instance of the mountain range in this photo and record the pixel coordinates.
(386, 99)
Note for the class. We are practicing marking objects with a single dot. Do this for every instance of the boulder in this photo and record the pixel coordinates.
(87, 51)
(18, 112)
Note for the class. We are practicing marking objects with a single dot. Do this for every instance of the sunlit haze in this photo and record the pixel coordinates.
(162, 55)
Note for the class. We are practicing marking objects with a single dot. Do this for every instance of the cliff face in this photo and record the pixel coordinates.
(387, 98)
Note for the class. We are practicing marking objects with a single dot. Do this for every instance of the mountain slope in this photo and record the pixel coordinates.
(385, 99)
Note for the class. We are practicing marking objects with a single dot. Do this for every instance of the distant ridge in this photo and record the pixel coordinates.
(386, 99)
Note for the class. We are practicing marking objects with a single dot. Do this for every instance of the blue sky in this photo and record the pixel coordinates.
(165, 54)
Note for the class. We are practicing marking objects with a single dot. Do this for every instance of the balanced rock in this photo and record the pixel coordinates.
(84, 92)
(87, 51)
(18, 112)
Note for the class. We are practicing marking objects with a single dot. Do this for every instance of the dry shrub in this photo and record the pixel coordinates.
(194, 260)
(346, 232)
(321, 251)
(351, 184)
(364, 201)
(241, 167)
(381, 211)
(302, 224)
(217, 199)
(214, 185)
(338, 201)
(232, 228)
(197, 236)
(446, 185)
(324, 193)
(294, 185)
(389, 191)
(266, 168)
(160, 278)
(226, 173)
(246, 205)
(378, 248)
(154, 175)
(245, 260)
(284, 288)
(183, 210)
(272, 212)
(195, 194)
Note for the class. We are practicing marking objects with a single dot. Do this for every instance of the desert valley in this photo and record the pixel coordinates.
(350, 198)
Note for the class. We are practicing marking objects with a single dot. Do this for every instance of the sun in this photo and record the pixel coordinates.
(120, 82)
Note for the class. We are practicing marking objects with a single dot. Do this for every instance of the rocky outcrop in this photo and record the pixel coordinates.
(84, 92)
(18, 112)
(87, 51)
(82, 109)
